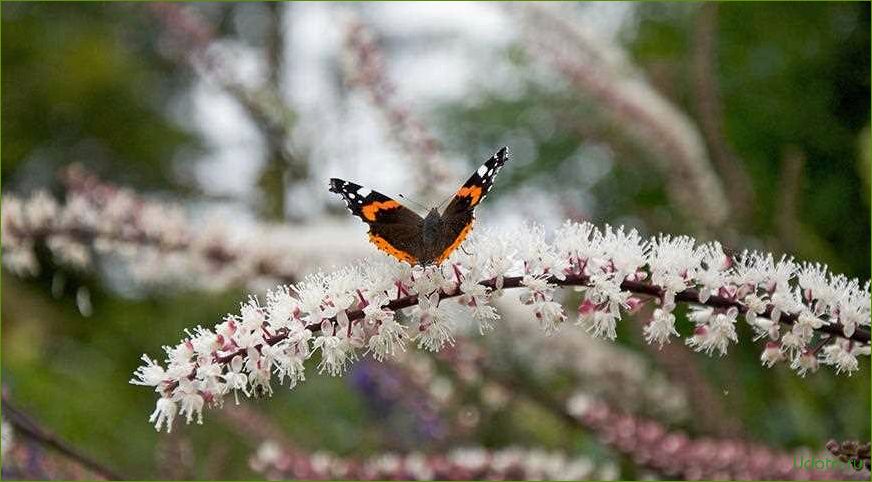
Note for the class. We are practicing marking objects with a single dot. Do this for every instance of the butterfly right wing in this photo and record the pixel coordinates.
(459, 214)
(393, 228)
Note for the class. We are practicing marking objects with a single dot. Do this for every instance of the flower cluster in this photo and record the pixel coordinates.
(358, 310)
(603, 73)
(472, 463)
(607, 371)
(158, 240)
(677, 455)
(365, 69)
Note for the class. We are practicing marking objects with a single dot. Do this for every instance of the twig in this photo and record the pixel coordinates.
(737, 181)
(23, 423)
(601, 72)
(646, 442)
(861, 334)
(790, 185)
(264, 104)
(366, 70)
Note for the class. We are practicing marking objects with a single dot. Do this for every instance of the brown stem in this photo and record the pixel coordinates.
(861, 334)
(737, 181)
(24, 424)
(790, 186)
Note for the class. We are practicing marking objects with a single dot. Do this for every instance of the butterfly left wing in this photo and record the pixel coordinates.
(458, 216)
(393, 228)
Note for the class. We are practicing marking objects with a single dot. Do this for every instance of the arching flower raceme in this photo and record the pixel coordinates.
(801, 314)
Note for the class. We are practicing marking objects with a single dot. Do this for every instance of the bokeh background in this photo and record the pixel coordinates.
(746, 123)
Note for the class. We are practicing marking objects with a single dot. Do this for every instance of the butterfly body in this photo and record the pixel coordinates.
(408, 237)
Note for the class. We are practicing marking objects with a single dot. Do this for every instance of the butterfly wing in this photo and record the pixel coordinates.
(393, 228)
(459, 216)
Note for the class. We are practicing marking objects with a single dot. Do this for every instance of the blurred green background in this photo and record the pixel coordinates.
(86, 83)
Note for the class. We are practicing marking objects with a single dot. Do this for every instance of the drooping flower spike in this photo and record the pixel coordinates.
(806, 315)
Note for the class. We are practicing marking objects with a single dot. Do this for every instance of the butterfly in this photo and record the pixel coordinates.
(403, 234)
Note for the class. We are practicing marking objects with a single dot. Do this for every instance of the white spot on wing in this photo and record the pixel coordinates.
(364, 191)
(482, 170)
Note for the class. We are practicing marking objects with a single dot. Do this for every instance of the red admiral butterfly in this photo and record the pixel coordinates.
(400, 232)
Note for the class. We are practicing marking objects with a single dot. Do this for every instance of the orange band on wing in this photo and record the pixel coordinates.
(460, 237)
(473, 192)
(369, 211)
(382, 244)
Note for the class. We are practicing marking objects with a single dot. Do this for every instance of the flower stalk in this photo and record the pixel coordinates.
(337, 315)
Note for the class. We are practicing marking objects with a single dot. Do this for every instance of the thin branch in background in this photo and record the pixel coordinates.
(676, 454)
(603, 73)
(278, 457)
(737, 182)
(706, 404)
(646, 442)
(27, 426)
(365, 69)
(195, 40)
(787, 219)
(159, 241)
(608, 371)
(174, 457)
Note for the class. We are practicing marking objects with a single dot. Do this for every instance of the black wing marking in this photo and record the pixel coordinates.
(458, 218)
(393, 228)
(475, 189)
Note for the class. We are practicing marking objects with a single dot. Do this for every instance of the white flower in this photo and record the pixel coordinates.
(191, 400)
(854, 306)
(701, 315)
(335, 354)
(804, 363)
(756, 306)
(549, 314)
(434, 325)
(772, 354)
(283, 309)
(716, 335)
(579, 244)
(539, 257)
(476, 297)
(712, 274)
(624, 252)
(289, 363)
(151, 374)
(164, 413)
(660, 328)
(603, 324)
(259, 379)
(236, 380)
(389, 339)
(844, 360)
(815, 286)
(673, 262)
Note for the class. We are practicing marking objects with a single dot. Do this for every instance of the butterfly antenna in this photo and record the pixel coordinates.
(416, 203)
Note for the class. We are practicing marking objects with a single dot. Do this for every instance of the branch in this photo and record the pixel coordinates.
(737, 181)
(263, 103)
(643, 441)
(356, 307)
(278, 458)
(602, 72)
(26, 425)
(366, 70)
